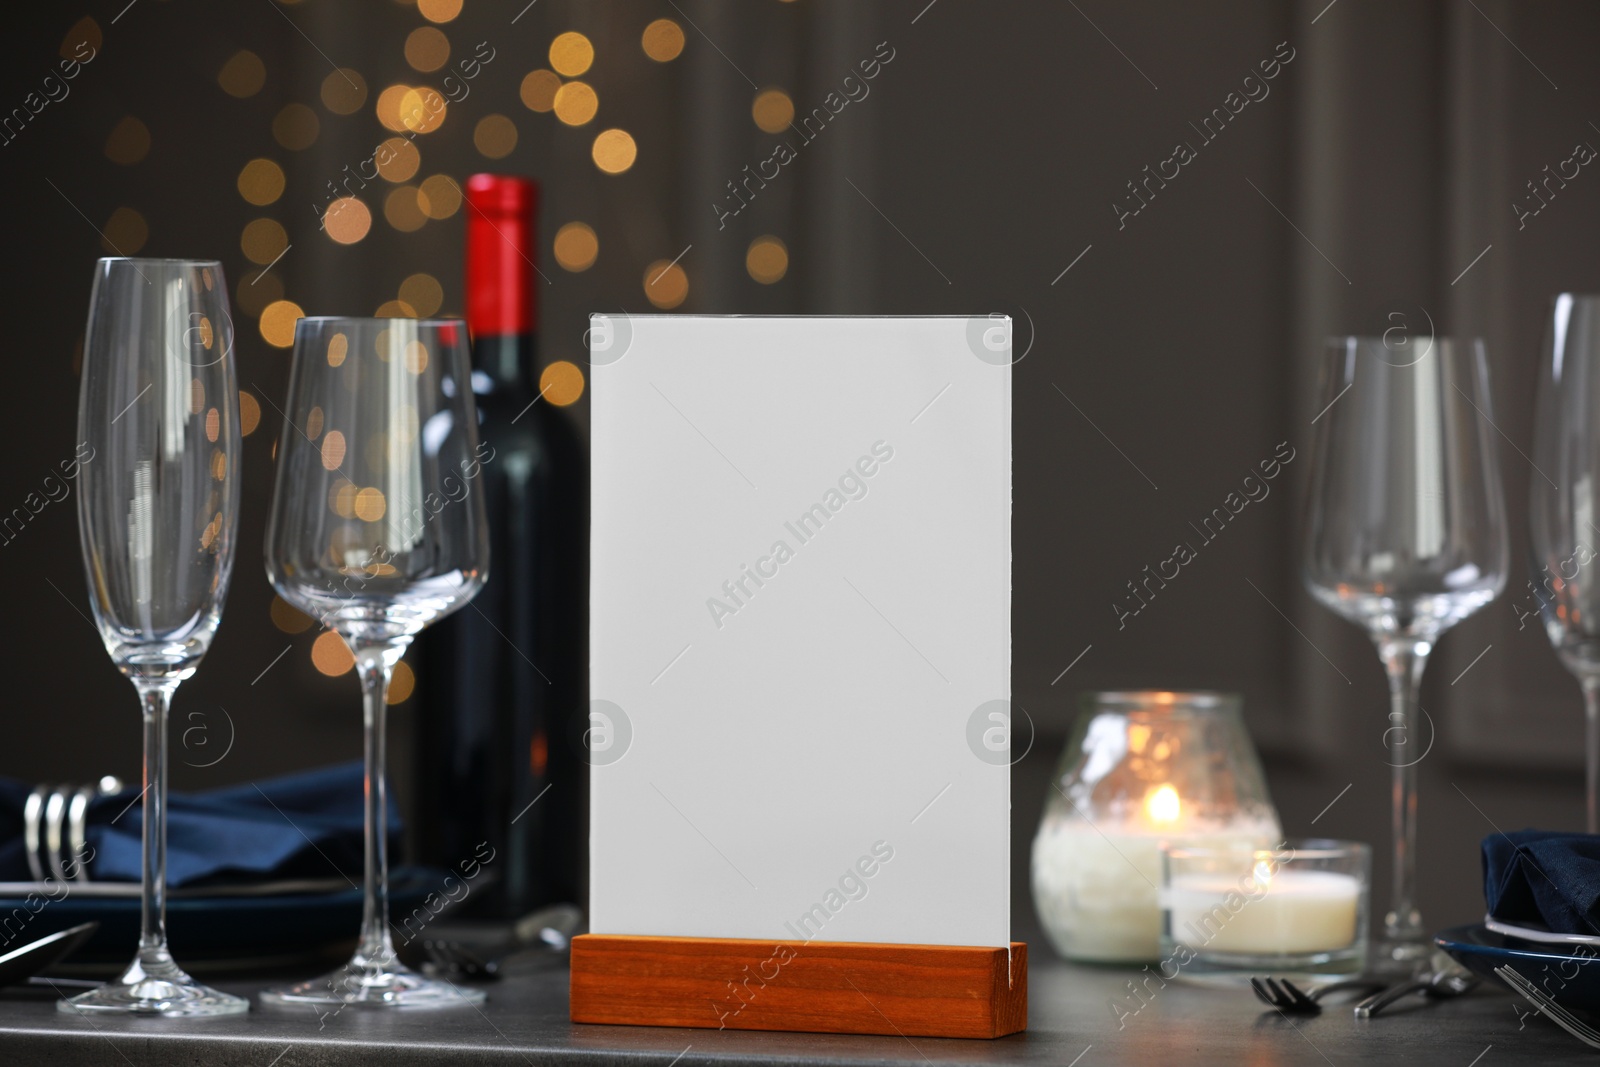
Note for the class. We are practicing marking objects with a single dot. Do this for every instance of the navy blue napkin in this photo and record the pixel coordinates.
(304, 825)
(1544, 877)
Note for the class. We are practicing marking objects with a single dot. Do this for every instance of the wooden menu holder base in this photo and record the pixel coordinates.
(834, 987)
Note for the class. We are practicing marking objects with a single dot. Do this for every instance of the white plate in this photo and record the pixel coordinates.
(1538, 933)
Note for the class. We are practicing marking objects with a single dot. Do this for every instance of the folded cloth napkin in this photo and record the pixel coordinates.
(304, 825)
(1544, 877)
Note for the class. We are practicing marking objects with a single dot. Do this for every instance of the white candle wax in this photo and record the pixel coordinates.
(1096, 892)
(1295, 912)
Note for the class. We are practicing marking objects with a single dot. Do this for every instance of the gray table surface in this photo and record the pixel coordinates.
(1070, 1022)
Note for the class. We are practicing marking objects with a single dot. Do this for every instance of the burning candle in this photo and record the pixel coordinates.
(1299, 907)
(1266, 912)
(1144, 769)
(1097, 884)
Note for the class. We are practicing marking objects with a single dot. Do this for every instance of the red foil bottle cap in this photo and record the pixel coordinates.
(502, 248)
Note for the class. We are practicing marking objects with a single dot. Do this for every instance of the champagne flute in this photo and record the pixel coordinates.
(378, 529)
(158, 503)
(1562, 519)
(1405, 536)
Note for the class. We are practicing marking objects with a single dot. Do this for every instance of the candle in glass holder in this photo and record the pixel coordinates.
(1144, 770)
(1289, 912)
(1298, 908)
(1095, 885)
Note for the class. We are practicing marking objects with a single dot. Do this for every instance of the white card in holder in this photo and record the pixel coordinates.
(800, 628)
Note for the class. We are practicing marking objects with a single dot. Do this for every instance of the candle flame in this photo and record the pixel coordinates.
(1162, 805)
(1262, 874)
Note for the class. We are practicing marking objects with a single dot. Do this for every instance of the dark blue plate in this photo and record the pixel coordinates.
(1570, 974)
(247, 931)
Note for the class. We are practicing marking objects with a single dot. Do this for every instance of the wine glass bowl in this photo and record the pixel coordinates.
(377, 530)
(1419, 612)
(1406, 512)
(158, 503)
(1561, 508)
(372, 422)
(1405, 536)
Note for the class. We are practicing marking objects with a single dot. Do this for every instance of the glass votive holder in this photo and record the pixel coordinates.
(1143, 769)
(1298, 910)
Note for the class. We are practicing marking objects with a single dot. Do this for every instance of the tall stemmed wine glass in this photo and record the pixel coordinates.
(377, 530)
(1405, 536)
(1564, 525)
(158, 503)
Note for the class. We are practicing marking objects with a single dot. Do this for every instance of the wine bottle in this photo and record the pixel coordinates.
(501, 681)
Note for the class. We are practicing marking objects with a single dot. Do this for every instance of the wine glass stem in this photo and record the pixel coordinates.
(375, 664)
(1591, 708)
(1404, 660)
(155, 697)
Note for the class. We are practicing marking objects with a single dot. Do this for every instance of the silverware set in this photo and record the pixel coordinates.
(1287, 997)
(1283, 994)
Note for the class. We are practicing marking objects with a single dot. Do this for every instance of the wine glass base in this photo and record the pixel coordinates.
(394, 987)
(1399, 959)
(158, 988)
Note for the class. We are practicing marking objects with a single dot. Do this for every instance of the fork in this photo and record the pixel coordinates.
(1290, 999)
(1438, 985)
(1549, 1008)
(456, 958)
(548, 928)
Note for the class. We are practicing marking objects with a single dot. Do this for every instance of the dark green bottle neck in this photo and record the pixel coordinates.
(510, 361)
